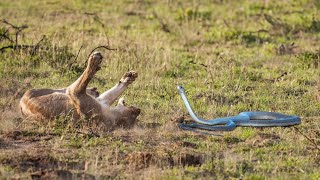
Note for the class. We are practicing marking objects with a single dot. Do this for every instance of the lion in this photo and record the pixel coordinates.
(47, 104)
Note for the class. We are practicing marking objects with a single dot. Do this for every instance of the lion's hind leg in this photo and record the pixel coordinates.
(83, 103)
(41, 104)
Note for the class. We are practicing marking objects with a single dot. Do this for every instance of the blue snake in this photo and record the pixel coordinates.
(253, 119)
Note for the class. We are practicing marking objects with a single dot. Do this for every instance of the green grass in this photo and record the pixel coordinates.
(231, 56)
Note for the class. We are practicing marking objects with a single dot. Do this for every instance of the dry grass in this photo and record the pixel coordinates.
(230, 56)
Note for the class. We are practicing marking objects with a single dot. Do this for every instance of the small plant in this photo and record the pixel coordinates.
(44, 51)
(309, 59)
(193, 14)
(278, 27)
(238, 36)
(315, 25)
(59, 58)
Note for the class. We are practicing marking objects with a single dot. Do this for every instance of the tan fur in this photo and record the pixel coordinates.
(45, 104)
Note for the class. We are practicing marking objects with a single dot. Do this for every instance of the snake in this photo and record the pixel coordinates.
(248, 118)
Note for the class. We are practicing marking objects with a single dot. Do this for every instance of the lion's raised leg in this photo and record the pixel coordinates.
(82, 102)
(110, 96)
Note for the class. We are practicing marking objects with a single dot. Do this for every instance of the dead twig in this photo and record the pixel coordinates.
(164, 26)
(133, 13)
(17, 28)
(75, 59)
(309, 139)
(226, 23)
(69, 65)
(13, 26)
(6, 36)
(280, 77)
(7, 47)
(37, 45)
(95, 18)
(15, 47)
(103, 46)
(107, 47)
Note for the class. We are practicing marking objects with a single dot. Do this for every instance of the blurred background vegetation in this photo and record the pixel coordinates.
(231, 56)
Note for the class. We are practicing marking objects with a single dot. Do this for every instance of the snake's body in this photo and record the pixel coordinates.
(254, 119)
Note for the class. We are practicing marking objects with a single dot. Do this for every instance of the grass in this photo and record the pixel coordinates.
(231, 56)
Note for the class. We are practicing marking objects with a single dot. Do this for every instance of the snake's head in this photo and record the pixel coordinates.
(180, 89)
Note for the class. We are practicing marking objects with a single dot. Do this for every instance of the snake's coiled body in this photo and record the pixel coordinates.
(254, 119)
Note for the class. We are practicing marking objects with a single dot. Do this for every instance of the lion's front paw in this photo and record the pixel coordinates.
(129, 77)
